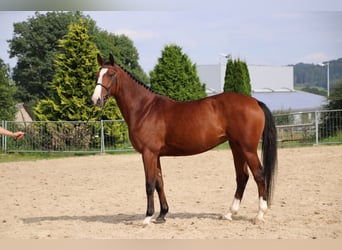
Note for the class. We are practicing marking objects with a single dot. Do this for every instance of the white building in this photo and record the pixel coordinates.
(273, 85)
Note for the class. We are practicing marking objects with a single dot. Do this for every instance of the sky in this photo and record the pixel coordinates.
(260, 32)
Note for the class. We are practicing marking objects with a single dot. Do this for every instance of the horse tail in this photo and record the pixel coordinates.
(269, 151)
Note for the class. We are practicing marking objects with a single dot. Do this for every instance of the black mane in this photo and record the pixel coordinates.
(136, 79)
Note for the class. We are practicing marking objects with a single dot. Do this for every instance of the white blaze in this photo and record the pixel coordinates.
(98, 88)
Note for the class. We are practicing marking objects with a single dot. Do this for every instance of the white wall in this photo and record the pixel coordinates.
(211, 76)
(262, 77)
(273, 77)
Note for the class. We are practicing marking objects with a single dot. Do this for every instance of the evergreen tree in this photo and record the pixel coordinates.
(229, 76)
(7, 92)
(34, 43)
(123, 50)
(335, 98)
(237, 77)
(73, 83)
(175, 76)
(331, 121)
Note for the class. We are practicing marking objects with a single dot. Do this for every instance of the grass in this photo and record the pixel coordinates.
(16, 157)
(31, 156)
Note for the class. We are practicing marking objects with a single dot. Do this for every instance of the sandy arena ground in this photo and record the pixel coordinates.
(103, 196)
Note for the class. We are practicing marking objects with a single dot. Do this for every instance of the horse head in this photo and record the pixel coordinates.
(106, 81)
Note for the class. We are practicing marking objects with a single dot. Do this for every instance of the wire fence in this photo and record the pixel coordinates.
(308, 128)
(294, 129)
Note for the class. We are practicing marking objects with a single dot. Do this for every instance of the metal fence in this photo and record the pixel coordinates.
(308, 128)
(294, 129)
(68, 136)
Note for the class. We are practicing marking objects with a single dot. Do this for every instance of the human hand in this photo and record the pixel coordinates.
(18, 135)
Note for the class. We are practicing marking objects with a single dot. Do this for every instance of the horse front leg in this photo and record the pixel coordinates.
(150, 167)
(164, 208)
(154, 181)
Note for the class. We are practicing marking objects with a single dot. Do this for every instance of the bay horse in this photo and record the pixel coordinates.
(159, 126)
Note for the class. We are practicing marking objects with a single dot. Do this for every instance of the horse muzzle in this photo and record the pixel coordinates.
(98, 101)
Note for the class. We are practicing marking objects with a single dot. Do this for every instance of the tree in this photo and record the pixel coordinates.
(335, 98)
(73, 81)
(332, 120)
(71, 90)
(314, 75)
(237, 77)
(125, 54)
(34, 43)
(7, 92)
(128, 57)
(175, 76)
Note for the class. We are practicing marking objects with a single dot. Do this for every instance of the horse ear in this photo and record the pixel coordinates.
(100, 60)
(111, 59)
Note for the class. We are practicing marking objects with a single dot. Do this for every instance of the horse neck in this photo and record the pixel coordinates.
(132, 98)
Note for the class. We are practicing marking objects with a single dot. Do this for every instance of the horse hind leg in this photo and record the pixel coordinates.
(259, 177)
(242, 176)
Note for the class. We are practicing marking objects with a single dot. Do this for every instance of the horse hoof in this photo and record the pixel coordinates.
(258, 221)
(147, 220)
(160, 220)
(227, 216)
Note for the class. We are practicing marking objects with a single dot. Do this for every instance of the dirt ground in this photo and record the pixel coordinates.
(103, 196)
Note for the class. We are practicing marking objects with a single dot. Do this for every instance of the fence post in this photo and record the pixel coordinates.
(316, 126)
(102, 138)
(2, 136)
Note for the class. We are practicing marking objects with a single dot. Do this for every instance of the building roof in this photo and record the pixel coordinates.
(290, 100)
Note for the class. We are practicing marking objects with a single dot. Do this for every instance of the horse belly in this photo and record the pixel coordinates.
(193, 140)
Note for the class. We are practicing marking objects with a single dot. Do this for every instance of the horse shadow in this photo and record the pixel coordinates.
(127, 218)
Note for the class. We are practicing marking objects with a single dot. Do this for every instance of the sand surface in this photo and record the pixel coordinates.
(103, 196)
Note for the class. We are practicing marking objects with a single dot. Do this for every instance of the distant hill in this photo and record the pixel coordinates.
(313, 77)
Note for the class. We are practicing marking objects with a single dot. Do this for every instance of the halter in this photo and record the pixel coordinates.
(108, 89)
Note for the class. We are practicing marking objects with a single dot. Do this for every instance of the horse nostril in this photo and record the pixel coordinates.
(98, 102)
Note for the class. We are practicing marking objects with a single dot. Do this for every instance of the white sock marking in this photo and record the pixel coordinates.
(147, 220)
(234, 208)
(262, 209)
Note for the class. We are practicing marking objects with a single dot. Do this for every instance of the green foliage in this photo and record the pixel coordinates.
(125, 54)
(332, 121)
(313, 90)
(7, 92)
(34, 43)
(283, 117)
(335, 98)
(73, 84)
(73, 81)
(237, 77)
(313, 75)
(175, 76)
